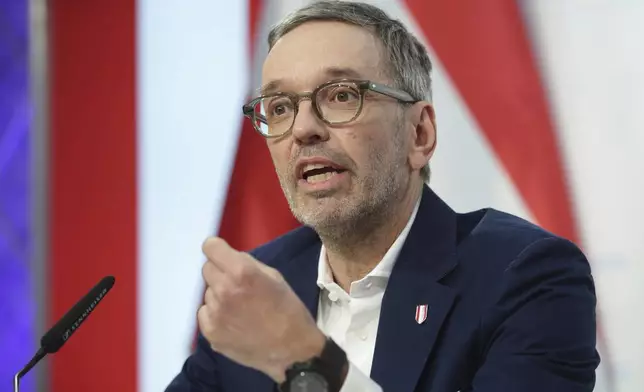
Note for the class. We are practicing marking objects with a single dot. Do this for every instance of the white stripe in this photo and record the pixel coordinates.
(593, 61)
(191, 83)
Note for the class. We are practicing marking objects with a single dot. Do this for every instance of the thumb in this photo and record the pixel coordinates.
(218, 251)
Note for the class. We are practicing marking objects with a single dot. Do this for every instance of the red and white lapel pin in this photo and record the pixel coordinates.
(421, 313)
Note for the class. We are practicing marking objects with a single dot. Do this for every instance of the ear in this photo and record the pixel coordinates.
(423, 121)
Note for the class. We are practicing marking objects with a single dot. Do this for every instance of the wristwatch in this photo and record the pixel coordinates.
(324, 373)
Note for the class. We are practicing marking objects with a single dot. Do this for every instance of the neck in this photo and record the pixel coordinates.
(354, 254)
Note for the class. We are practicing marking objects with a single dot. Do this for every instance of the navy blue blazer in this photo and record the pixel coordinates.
(511, 308)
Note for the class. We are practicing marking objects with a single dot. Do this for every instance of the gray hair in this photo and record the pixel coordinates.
(408, 63)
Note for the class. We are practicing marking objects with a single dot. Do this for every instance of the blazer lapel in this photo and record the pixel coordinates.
(301, 274)
(408, 329)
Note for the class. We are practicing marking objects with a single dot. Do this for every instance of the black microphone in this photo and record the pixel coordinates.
(58, 335)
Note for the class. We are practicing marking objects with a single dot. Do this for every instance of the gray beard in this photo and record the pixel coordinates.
(355, 222)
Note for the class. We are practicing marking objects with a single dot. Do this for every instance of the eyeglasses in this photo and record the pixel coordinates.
(335, 102)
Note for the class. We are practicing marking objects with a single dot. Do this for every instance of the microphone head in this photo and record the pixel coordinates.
(54, 339)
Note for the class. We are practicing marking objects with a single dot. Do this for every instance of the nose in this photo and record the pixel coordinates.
(307, 126)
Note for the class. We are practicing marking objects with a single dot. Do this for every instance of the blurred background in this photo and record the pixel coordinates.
(122, 147)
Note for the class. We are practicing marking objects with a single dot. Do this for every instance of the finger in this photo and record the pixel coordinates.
(222, 255)
(205, 325)
(207, 319)
(212, 275)
(209, 297)
(208, 315)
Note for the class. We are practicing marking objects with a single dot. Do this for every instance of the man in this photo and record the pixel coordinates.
(384, 287)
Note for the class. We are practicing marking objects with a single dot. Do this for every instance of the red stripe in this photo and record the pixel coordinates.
(256, 210)
(93, 189)
(485, 50)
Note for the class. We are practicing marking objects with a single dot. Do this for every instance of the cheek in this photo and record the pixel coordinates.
(365, 146)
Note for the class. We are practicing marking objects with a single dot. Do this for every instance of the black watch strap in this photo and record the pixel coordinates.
(331, 364)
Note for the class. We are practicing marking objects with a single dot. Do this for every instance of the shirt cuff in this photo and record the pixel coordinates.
(358, 381)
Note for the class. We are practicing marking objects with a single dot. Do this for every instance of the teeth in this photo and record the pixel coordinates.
(312, 166)
(320, 177)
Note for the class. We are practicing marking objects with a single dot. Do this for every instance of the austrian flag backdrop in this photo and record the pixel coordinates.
(538, 106)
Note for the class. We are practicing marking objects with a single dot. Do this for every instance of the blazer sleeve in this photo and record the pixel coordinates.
(199, 371)
(541, 332)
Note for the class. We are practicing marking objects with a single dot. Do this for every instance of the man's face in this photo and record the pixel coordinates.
(333, 176)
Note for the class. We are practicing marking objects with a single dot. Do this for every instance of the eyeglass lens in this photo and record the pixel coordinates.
(336, 103)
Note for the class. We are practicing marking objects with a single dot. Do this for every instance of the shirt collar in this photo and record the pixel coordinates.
(383, 268)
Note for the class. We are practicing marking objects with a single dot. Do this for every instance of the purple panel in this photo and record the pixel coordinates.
(17, 306)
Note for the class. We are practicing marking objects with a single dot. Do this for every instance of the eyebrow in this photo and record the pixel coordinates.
(330, 72)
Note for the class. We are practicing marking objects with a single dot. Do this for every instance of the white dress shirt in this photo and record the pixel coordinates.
(351, 319)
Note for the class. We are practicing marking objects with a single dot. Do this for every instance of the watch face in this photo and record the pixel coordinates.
(308, 382)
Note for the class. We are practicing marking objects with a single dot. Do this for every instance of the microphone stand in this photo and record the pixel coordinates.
(16, 379)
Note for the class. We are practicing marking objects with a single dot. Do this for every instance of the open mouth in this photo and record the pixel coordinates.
(314, 173)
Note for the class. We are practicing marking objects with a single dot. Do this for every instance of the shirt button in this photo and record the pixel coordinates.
(333, 296)
(364, 336)
(368, 285)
